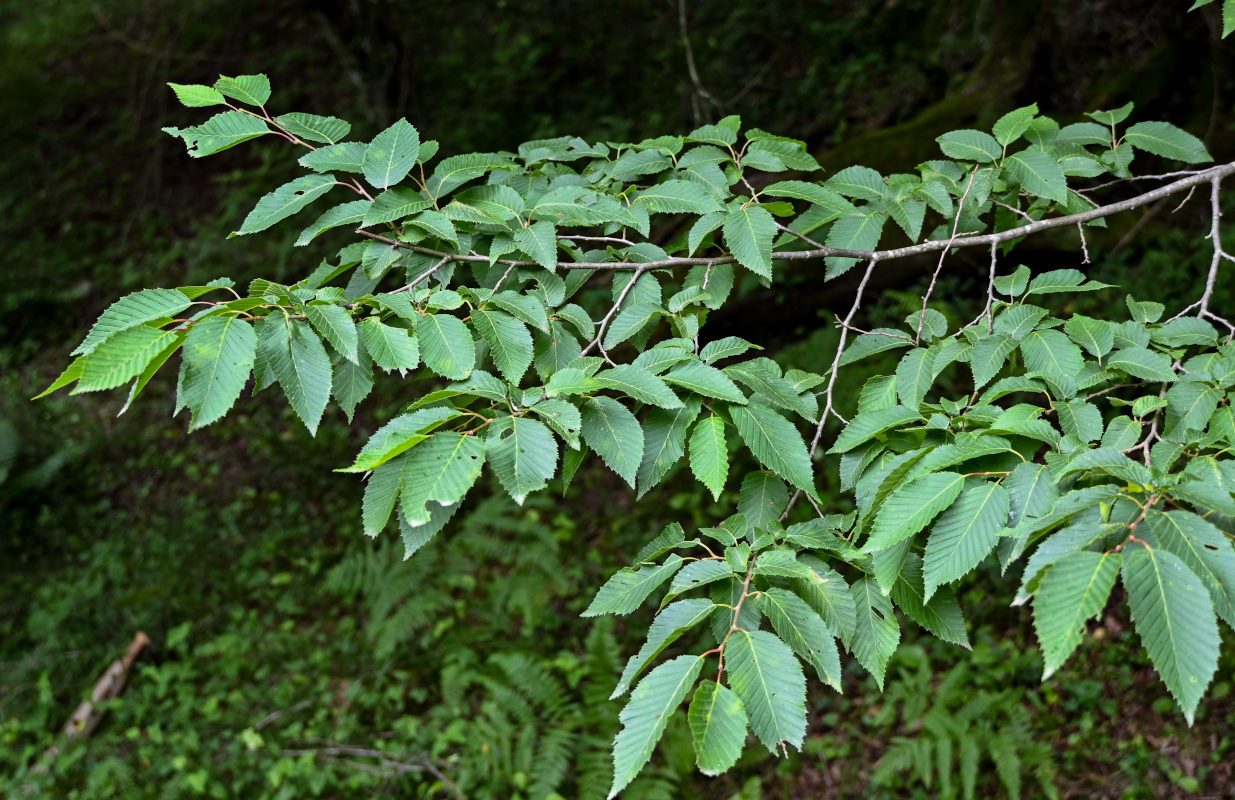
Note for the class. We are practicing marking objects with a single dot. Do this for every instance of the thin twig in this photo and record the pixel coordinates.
(956, 224)
(604, 323)
(691, 69)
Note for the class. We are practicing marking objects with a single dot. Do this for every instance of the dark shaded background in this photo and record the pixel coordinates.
(112, 524)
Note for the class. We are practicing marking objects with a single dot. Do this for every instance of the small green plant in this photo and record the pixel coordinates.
(552, 310)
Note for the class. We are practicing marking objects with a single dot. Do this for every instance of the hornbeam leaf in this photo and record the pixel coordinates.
(965, 534)
(1053, 355)
(639, 384)
(328, 130)
(218, 356)
(1142, 363)
(71, 373)
(440, 470)
(644, 718)
(390, 347)
(253, 90)
(130, 311)
(523, 455)
(381, 493)
(1166, 140)
(1205, 549)
(335, 326)
(709, 454)
(1037, 173)
(540, 242)
(769, 681)
(705, 380)
(196, 96)
(453, 172)
(1095, 335)
(446, 345)
(344, 157)
(417, 537)
(614, 433)
(303, 370)
(676, 619)
(877, 632)
(941, 615)
(970, 145)
(400, 435)
(911, 507)
(859, 231)
(829, 595)
(151, 368)
(628, 588)
(349, 213)
(717, 726)
(799, 626)
(699, 573)
(812, 193)
(285, 201)
(1074, 590)
(395, 204)
(1031, 490)
(122, 357)
(1175, 620)
(510, 344)
(640, 305)
(748, 233)
(220, 132)
(776, 443)
(867, 426)
(664, 442)
(677, 197)
(391, 155)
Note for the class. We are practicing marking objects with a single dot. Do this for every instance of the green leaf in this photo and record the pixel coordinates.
(540, 242)
(303, 370)
(335, 325)
(709, 455)
(970, 145)
(629, 587)
(1164, 139)
(1059, 281)
(699, 573)
(718, 727)
(1175, 619)
(965, 534)
(829, 595)
(390, 347)
(676, 619)
(391, 155)
(877, 633)
(914, 376)
(1037, 173)
(677, 197)
(941, 615)
(748, 233)
(1080, 419)
(345, 157)
(1142, 363)
(644, 718)
(123, 357)
(197, 96)
(380, 496)
(868, 425)
(220, 132)
(1189, 406)
(1012, 126)
(725, 348)
(285, 201)
(253, 90)
(395, 204)
(328, 130)
(640, 305)
(1074, 590)
(910, 508)
(218, 356)
(400, 435)
(1094, 335)
(776, 443)
(446, 346)
(797, 624)
(769, 681)
(812, 193)
(510, 344)
(440, 470)
(664, 442)
(614, 434)
(523, 455)
(349, 213)
(639, 384)
(1054, 356)
(853, 232)
(131, 311)
(705, 380)
(455, 171)
(1205, 549)
(762, 498)
(71, 373)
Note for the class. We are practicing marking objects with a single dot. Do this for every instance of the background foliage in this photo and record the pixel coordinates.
(218, 546)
